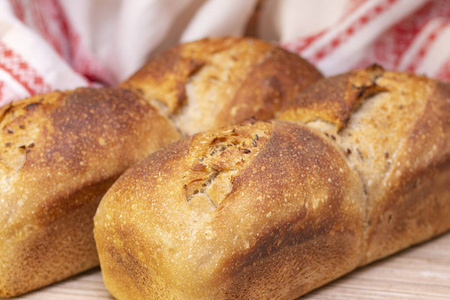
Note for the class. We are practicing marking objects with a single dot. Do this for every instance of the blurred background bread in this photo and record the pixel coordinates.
(210, 83)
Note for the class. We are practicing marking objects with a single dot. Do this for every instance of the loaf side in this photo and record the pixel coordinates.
(60, 152)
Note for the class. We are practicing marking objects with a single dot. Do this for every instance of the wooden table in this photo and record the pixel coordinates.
(420, 272)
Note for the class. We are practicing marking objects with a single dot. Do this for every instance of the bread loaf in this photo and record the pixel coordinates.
(210, 83)
(358, 169)
(258, 211)
(394, 129)
(60, 152)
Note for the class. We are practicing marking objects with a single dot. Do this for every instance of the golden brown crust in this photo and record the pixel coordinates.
(416, 206)
(333, 99)
(398, 139)
(211, 83)
(60, 152)
(270, 191)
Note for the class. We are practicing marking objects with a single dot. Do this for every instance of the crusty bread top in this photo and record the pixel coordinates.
(55, 144)
(374, 115)
(211, 83)
(394, 129)
(193, 220)
(334, 99)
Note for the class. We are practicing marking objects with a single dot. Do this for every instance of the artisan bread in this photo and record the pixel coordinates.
(394, 130)
(355, 170)
(210, 83)
(264, 210)
(60, 152)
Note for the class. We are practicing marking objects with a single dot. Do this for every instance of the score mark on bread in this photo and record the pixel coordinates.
(216, 161)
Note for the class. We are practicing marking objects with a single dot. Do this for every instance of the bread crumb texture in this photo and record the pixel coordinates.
(261, 210)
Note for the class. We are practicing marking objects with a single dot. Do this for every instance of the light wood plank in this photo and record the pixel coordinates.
(421, 272)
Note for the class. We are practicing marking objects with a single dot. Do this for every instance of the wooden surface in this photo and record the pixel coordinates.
(420, 272)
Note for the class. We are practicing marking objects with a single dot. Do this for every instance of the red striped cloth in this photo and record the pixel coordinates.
(63, 44)
(415, 41)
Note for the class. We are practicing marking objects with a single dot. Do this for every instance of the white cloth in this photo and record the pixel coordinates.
(63, 44)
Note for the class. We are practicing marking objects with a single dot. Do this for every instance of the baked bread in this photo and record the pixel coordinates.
(265, 210)
(358, 169)
(210, 83)
(60, 152)
(394, 129)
